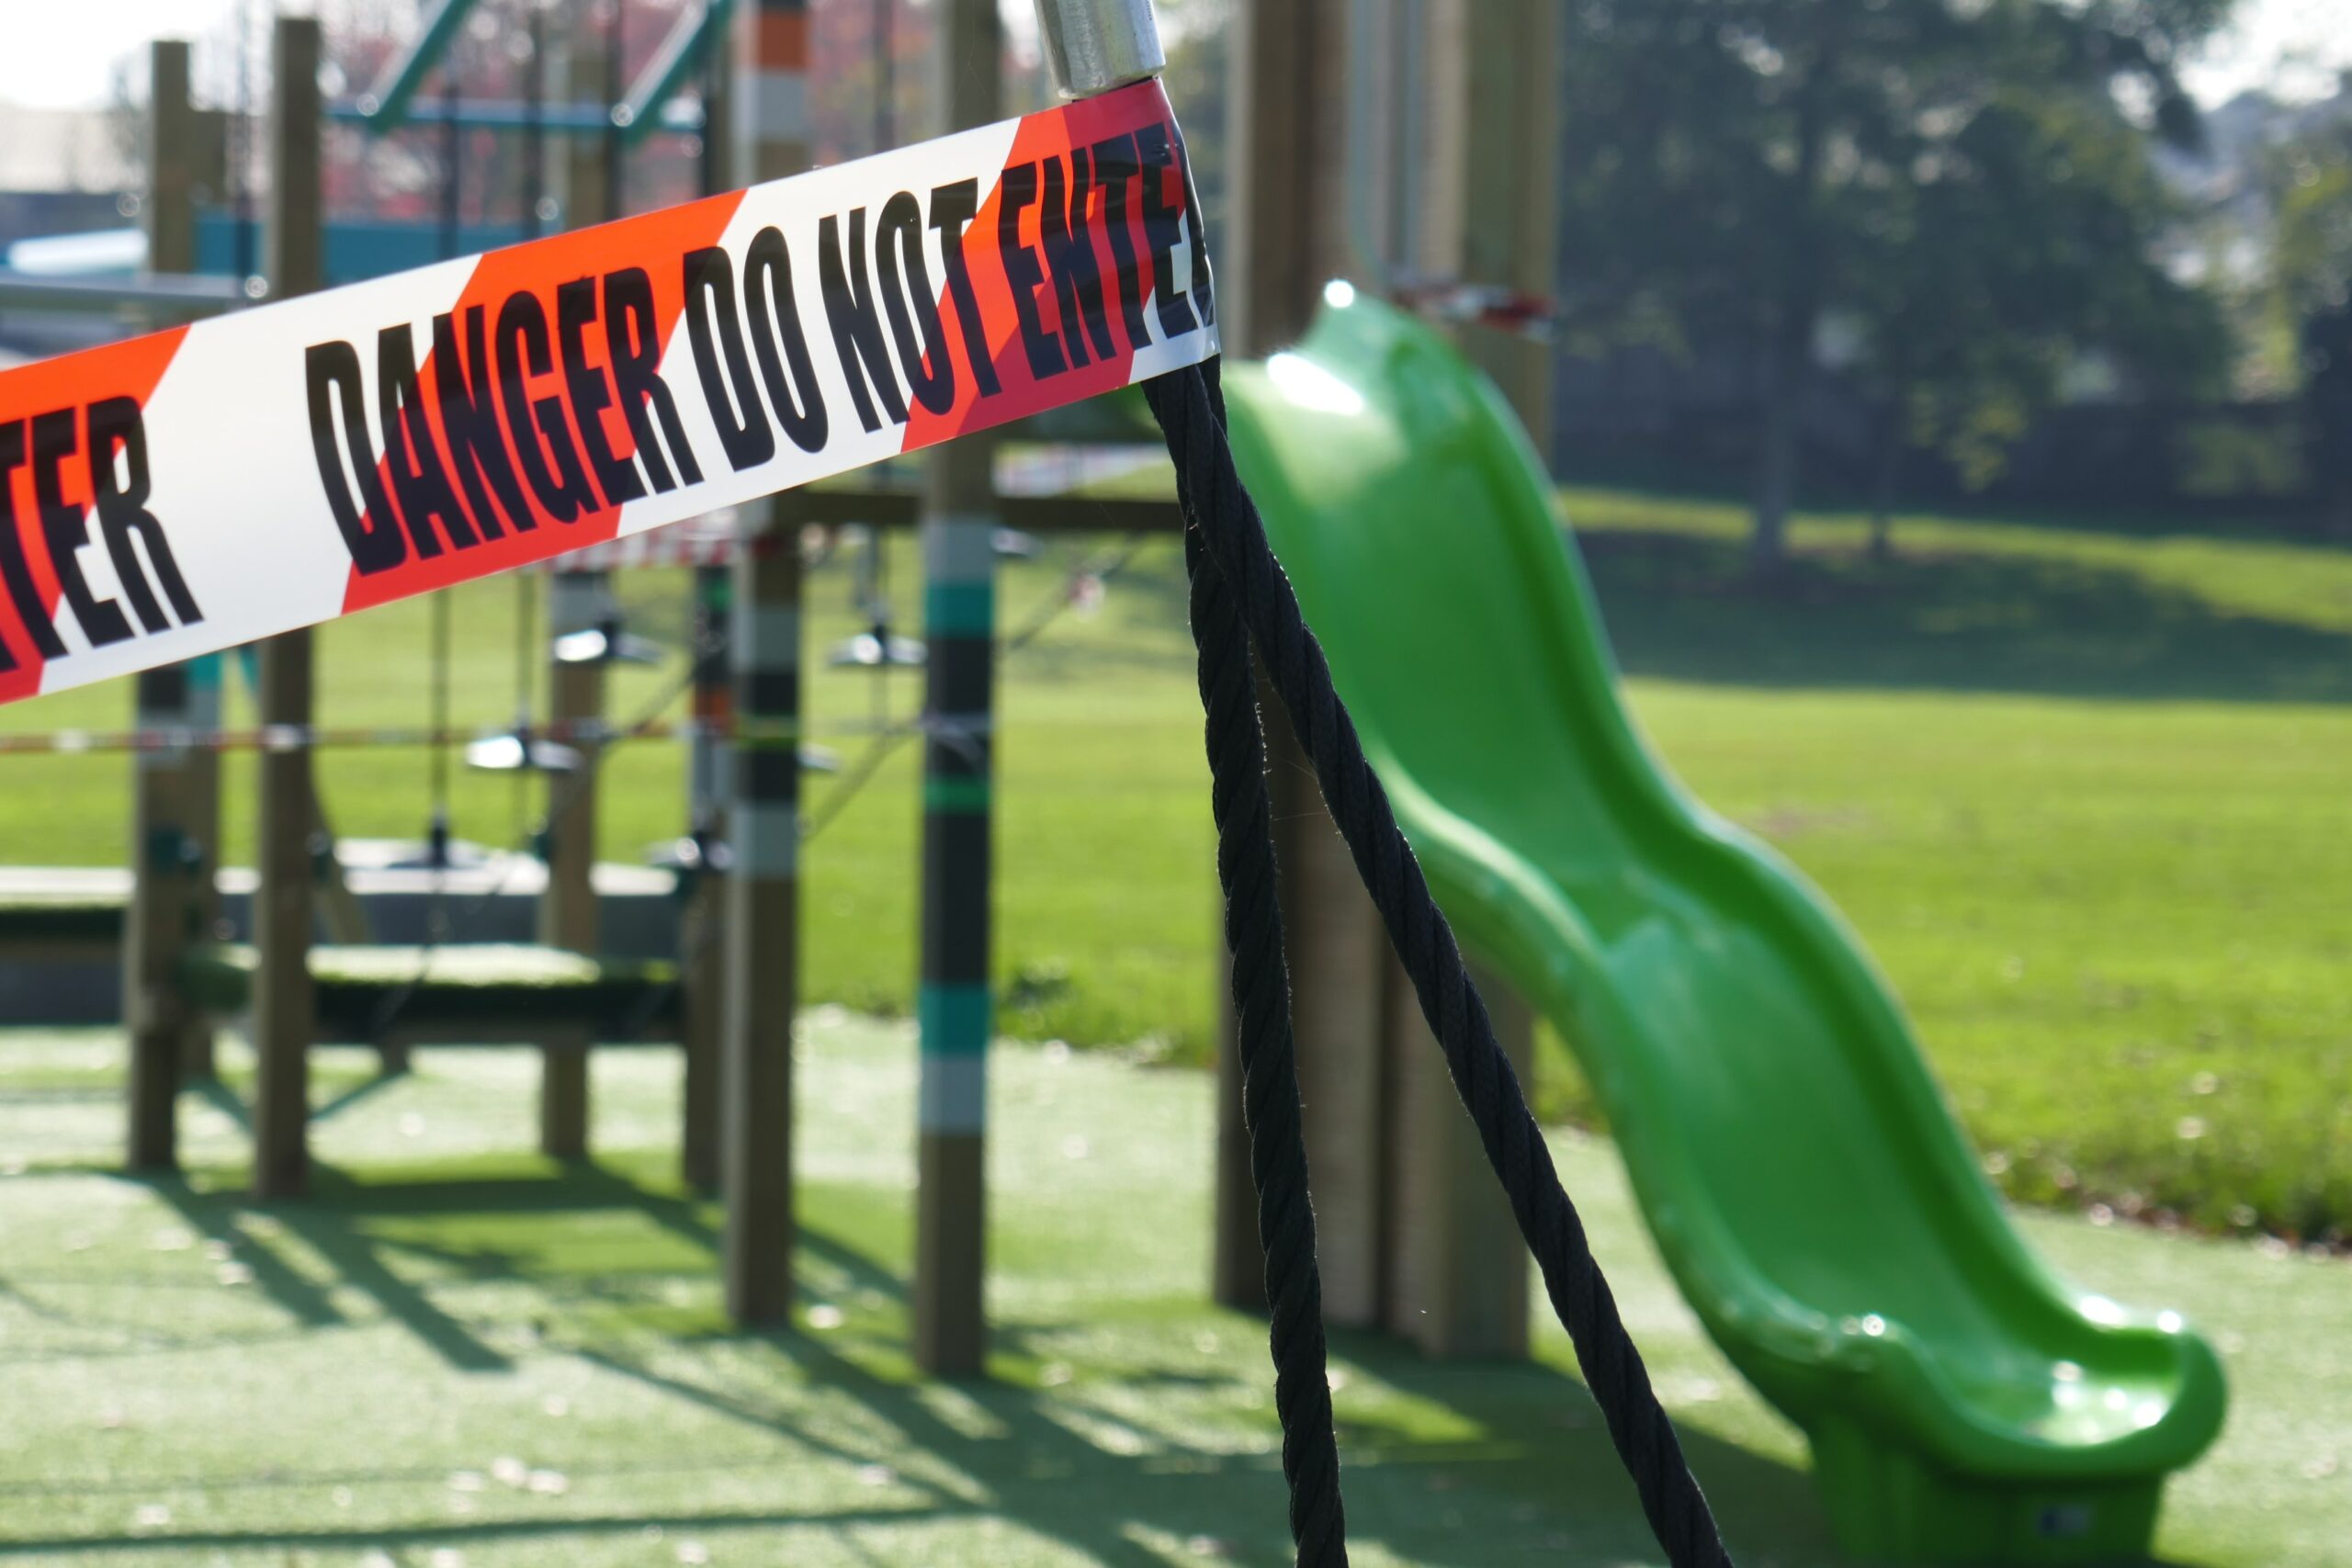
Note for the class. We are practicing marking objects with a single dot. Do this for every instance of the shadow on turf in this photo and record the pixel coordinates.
(1679, 605)
(1534, 1474)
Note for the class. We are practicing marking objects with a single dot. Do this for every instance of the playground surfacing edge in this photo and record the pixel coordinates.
(458, 1354)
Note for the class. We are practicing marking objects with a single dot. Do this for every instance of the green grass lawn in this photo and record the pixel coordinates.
(458, 1355)
(2079, 786)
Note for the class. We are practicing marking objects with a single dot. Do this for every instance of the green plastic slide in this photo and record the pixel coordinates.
(1812, 1195)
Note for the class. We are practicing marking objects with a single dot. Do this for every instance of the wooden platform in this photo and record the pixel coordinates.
(489, 994)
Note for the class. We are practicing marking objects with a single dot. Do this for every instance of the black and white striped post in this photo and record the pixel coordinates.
(762, 910)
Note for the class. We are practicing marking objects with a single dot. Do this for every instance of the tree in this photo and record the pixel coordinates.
(2311, 283)
(2025, 243)
(1744, 171)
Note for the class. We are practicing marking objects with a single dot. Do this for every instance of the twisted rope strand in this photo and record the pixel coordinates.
(1260, 981)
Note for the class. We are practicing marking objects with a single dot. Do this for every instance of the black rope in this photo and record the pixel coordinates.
(1253, 931)
(1223, 519)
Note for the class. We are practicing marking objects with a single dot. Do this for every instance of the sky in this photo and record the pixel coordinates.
(64, 56)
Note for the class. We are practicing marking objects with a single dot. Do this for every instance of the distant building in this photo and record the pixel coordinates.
(63, 152)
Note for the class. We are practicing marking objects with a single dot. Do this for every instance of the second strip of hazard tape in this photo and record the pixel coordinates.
(187, 491)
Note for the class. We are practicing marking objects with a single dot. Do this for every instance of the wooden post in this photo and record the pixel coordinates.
(156, 926)
(284, 1017)
(577, 601)
(701, 921)
(954, 1003)
(770, 140)
(702, 924)
(186, 156)
(183, 148)
(1458, 1267)
(200, 822)
(1490, 209)
(1287, 124)
(162, 911)
(1458, 1270)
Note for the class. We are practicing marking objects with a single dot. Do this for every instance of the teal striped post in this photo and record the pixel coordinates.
(770, 140)
(762, 928)
(954, 1007)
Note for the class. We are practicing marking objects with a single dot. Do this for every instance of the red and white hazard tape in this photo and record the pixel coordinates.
(204, 487)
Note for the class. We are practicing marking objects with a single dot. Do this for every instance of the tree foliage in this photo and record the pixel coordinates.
(1963, 185)
(2311, 281)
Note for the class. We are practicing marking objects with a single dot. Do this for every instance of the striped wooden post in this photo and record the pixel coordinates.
(762, 934)
(283, 1008)
(771, 99)
(770, 140)
(954, 1006)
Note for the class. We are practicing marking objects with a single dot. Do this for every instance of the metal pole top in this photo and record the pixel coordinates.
(1093, 46)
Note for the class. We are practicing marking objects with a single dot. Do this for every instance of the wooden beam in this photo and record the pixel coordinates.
(879, 508)
(284, 1015)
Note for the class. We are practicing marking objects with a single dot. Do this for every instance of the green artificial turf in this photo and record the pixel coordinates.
(2078, 784)
(457, 1354)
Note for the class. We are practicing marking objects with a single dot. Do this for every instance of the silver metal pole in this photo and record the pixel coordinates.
(1093, 46)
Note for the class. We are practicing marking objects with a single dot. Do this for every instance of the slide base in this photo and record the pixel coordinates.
(1893, 1506)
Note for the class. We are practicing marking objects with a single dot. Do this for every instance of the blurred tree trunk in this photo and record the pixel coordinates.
(1776, 461)
(1886, 476)
(1788, 351)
